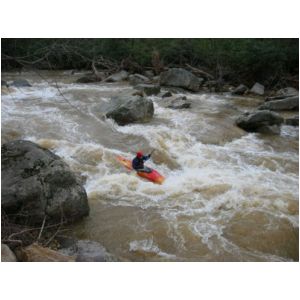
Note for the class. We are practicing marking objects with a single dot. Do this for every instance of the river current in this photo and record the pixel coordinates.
(229, 195)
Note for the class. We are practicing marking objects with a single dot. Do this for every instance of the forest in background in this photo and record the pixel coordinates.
(269, 61)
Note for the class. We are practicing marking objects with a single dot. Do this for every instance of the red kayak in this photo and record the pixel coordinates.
(153, 176)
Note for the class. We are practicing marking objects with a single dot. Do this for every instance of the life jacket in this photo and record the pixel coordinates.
(138, 163)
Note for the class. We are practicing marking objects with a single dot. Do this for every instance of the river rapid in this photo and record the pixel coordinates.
(228, 195)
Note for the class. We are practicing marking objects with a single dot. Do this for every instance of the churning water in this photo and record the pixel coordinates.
(228, 195)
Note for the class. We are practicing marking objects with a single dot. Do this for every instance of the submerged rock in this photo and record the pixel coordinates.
(126, 109)
(254, 121)
(180, 78)
(258, 89)
(7, 255)
(21, 83)
(39, 184)
(290, 103)
(148, 89)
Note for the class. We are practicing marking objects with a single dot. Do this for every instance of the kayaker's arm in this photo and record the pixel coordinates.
(146, 157)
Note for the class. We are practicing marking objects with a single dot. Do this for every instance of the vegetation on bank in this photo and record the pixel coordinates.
(269, 61)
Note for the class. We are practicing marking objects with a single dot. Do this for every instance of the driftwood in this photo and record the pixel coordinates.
(200, 72)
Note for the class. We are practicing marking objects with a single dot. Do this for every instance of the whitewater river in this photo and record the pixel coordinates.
(228, 195)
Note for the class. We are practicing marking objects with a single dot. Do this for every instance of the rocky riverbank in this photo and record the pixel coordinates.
(40, 195)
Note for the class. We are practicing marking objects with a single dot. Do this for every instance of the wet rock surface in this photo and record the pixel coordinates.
(86, 251)
(178, 77)
(290, 103)
(148, 89)
(21, 83)
(126, 109)
(38, 184)
(253, 121)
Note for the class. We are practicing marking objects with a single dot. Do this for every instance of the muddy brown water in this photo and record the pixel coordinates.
(228, 195)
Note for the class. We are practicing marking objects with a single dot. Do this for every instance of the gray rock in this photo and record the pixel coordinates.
(149, 74)
(126, 109)
(38, 183)
(240, 90)
(290, 103)
(292, 121)
(178, 103)
(135, 79)
(253, 121)
(258, 89)
(167, 94)
(21, 83)
(7, 255)
(148, 89)
(87, 251)
(120, 76)
(287, 92)
(180, 78)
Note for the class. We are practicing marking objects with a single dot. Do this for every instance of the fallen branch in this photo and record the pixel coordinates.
(42, 228)
(200, 72)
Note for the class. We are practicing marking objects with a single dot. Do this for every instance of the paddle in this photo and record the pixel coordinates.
(152, 152)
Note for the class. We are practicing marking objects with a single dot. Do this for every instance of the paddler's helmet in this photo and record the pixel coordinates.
(139, 154)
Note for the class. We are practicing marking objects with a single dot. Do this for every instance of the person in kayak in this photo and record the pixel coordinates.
(138, 162)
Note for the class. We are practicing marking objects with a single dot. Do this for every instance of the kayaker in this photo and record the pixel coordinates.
(138, 162)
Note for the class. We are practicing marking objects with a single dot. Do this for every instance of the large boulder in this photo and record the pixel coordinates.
(240, 90)
(290, 103)
(180, 78)
(135, 79)
(36, 183)
(21, 83)
(258, 89)
(120, 76)
(148, 89)
(6, 254)
(126, 109)
(253, 121)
